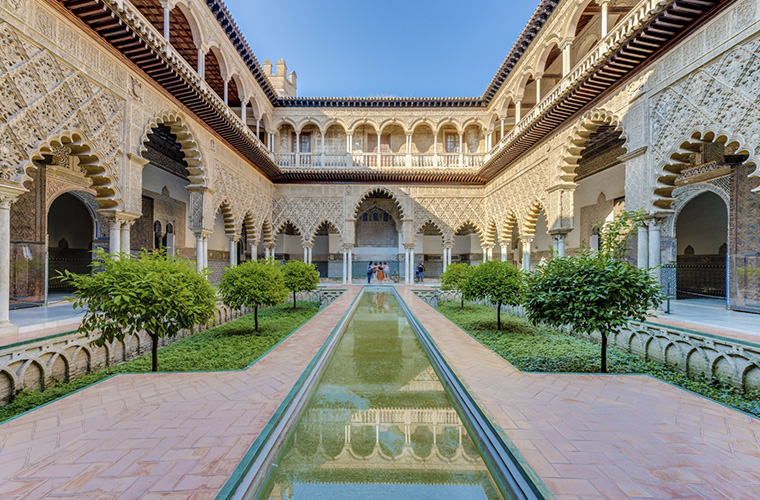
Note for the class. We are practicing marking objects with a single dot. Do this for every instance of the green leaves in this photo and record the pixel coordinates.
(499, 282)
(300, 276)
(455, 276)
(253, 283)
(155, 292)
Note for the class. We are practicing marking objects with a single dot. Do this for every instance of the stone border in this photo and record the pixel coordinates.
(694, 353)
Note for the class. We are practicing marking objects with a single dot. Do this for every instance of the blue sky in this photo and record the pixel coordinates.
(402, 48)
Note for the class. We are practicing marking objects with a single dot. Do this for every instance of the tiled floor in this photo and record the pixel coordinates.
(151, 435)
(608, 437)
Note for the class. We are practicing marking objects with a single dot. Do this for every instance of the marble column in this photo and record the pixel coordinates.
(204, 252)
(504, 248)
(199, 251)
(350, 265)
(5, 262)
(411, 264)
(345, 268)
(124, 237)
(114, 245)
(233, 253)
(526, 241)
(558, 243)
(654, 247)
(642, 258)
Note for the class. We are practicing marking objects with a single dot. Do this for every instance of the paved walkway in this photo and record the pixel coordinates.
(607, 437)
(711, 316)
(152, 435)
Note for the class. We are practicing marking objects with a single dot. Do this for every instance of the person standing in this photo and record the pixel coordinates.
(369, 273)
(386, 271)
(420, 271)
(380, 272)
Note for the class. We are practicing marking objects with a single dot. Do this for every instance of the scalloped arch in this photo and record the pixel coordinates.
(379, 190)
(576, 142)
(101, 170)
(187, 141)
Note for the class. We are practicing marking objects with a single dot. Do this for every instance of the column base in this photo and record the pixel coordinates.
(8, 328)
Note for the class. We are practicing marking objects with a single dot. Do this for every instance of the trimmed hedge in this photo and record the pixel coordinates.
(538, 349)
(232, 346)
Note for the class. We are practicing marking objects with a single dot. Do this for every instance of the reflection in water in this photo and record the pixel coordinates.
(380, 424)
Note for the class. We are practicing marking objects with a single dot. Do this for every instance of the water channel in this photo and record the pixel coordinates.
(380, 424)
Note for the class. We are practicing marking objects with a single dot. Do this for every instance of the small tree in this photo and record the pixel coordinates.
(155, 292)
(499, 282)
(455, 276)
(253, 283)
(300, 277)
(594, 291)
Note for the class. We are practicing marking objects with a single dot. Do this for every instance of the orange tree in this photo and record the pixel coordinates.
(155, 292)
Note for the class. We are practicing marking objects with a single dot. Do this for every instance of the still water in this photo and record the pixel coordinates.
(380, 424)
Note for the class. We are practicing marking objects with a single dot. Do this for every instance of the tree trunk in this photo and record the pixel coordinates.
(604, 352)
(294, 300)
(498, 316)
(462, 297)
(154, 351)
(256, 317)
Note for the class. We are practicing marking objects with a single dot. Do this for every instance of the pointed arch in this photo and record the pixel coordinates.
(382, 192)
(474, 225)
(188, 144)
(285, 223)
(329, 224)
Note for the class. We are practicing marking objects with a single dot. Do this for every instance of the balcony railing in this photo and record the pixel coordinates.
(380, 161)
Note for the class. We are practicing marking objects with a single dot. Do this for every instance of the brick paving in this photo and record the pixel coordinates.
(607, 436)
(154, 435)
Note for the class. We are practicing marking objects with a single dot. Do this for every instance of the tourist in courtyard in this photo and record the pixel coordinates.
(380, 273)
(386, 271)
(370, 270)
(420, 271)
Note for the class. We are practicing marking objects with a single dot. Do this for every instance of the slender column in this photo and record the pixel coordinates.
(233, 253)
(566, 56)
(115, 240)
(204, 252)
(502, 128)
(526, 241)
(412, 264)
(406, 266)
(345, 267)
(5, 263)
(654, 247)
(435, 142)
(504, 247)
(226, 92)
(559, 239)
(379, 154)
(201, 63)
(167, 27)
(258, 126)
(605, 17)
(124, 239)
(199, 251)
(642, 259)
(244, 111)
(350, 265)
(518, 110)
(485, 253)
(538, 77)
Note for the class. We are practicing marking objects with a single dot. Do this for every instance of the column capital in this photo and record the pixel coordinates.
(527, 238)
(555, 233)
(9, 193)
(566, 42)
(202, 233)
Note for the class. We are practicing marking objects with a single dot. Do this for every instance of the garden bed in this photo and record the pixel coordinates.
(232, 346)
(539, 349)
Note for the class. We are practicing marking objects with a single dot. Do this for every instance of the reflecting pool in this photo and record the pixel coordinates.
(380, 424)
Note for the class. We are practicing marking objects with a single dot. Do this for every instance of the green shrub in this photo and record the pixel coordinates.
(232, 346)
(539, 349)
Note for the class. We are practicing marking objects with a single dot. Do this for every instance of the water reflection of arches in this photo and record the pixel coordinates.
(383, 439)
